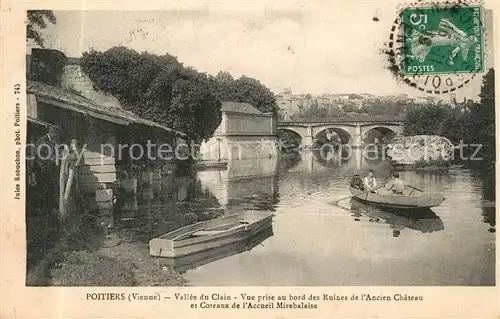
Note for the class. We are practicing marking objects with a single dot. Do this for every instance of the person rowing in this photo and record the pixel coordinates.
(370, 182)
(396, 184)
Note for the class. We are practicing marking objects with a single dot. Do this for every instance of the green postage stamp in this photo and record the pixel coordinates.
(442, 40)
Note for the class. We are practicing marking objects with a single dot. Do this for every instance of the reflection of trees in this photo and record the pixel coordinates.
(484, 179)
(288, 162)
(172, 203)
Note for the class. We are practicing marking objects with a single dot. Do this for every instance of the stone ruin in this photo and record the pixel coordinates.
(409, 150)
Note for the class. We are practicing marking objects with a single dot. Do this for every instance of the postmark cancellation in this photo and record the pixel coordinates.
(438, 47)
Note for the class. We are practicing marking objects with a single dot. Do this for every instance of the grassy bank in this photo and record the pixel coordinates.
(116, 263)
(84, 254)
(119, 265)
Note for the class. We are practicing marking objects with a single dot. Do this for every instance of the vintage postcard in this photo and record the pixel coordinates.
(254, 159)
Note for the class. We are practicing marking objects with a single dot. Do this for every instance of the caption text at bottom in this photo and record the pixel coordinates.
(254, 301)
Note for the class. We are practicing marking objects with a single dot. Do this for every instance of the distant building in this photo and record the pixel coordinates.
(288, 104)
(244, 132)
(323, 100)
(420, 101)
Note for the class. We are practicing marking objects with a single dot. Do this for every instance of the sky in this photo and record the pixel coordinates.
(328, 48)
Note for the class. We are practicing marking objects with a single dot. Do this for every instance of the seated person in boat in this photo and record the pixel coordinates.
(396, 185)
(370, 182)
(357, 182)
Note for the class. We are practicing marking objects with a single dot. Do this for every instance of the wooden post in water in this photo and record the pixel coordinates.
(73, 162)
(62, 185)
(104, 200)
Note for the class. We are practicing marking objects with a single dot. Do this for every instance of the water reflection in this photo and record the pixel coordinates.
(319, 244)
(424, 220)
(170, 202)
(193, 261)
(485, 181)
(315, 243)
(164, 205)
(356, 159)
(288, 161)
(245, 184)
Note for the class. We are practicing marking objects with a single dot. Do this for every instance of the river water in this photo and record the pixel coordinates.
(315, 242)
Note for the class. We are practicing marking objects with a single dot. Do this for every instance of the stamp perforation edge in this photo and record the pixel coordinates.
(395, 37)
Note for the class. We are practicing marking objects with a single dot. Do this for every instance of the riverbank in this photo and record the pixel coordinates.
(117, 262)
(85, 253)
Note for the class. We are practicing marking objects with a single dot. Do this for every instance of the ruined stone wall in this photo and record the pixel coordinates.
(73, 79)
(409, 150)
(239, 147)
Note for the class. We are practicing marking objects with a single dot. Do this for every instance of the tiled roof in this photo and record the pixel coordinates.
(239, 107)
(81, 104)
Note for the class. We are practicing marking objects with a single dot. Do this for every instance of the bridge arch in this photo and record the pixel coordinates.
(290, 137)
(351, 132)
(342, 135)
(382, 133)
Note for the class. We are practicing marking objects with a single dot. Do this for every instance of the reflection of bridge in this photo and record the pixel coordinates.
(349, 131)
(309, 161)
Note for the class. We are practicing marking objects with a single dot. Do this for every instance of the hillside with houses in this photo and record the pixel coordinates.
(309, 107)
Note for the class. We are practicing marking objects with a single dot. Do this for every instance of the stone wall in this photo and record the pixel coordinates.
(248, 124)
(239, 147)
(242, 136)
(74, 80)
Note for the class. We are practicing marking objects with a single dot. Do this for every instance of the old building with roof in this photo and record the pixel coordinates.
(244, 132)
(60, 94)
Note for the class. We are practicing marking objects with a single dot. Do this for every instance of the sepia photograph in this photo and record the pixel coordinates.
(353, 146)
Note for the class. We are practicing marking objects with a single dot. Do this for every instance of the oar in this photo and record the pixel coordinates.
(416, 188)
(347, 197)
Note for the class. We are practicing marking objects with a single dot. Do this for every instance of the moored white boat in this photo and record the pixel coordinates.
(210, 234)
(191, 261)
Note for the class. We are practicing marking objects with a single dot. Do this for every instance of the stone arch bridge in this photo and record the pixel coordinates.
(350, 131)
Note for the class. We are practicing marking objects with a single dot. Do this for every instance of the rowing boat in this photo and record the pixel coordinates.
(210, 234)
(185, 263)
(411, 199)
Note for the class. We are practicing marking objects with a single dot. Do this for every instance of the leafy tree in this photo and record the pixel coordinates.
(334, 111)
(470, 122)
(391, 109)
(245, 90)
(480, 120)
(425, 120)
(193, 100)
(158, 88)
(37, 19)
(349, 107)
(224, 77)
